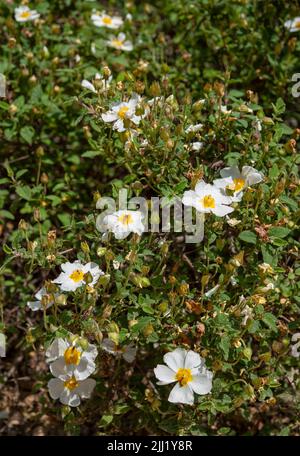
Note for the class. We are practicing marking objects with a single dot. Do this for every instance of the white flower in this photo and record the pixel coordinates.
(124, 222)
(67, 357)
(236, 180)
(293, 25)
(119, 112)
(70, 390)
(25, 14)
(90, 86)
(207, 198)
(105, 20)
(194, 128)
(42, 304)
(73, 275)
(197, 145)
(128, 352)
(188, 370)
(120, 42)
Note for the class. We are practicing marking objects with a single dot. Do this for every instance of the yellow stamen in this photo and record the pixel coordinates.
(208, 201)
(116, 42)
(297, 25)
(239, 184)
(71, 384)
(184, 376)
(125, 219)
(77, 275)
(122, 112)
(72, 356)
(25, 14)
(107, 20)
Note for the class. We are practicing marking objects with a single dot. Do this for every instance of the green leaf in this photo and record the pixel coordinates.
(279, 232)
(27, 133)
(106, 420)
(24, 192)
(91, 153)
(248, 236)
(270, 320)
(6, 214)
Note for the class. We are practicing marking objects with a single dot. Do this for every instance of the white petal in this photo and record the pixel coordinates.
(192, 360)
(201, 384)
(109, 116)
(109, 346)
(55, 386)
(181, 395)
(84, 369)
(34, 305)
(189, 198)
(70, 398)
(232, 171)
(200, 186)
(56, 349)
(164, 374)
(175, 359)
(88, 85)
(60, 369)
(222, 210)
(85, 388)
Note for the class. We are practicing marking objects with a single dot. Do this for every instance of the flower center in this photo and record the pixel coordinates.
(239, 184)
(125, 219)
(25, 14)
(297, 25)
(117, 43)
(77, 275)
(107, 20)
(72, 356)
(122, 112)
(184, 376)
(71, 384)
(208, 201)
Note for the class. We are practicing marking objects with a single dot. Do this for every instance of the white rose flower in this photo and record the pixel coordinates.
(105, 20)
(293, 25)
(25, 14)
(236, 180)
(188, 370)
(70, 391)
(67, 357)
(123, 222)
(207, 198)
(122, 111)
(73, 274)
(120, 42)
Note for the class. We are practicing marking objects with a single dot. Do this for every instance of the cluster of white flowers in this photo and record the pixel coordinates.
(216, 198)
(71, 361)
(112, 22)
